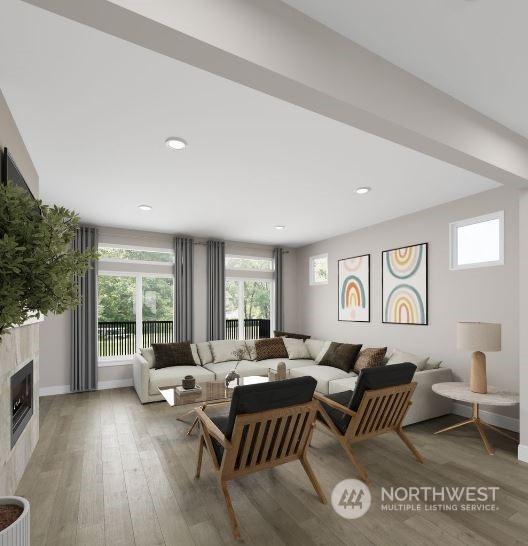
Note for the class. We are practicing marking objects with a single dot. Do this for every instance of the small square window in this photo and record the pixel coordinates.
(319, 269)
(477, 242)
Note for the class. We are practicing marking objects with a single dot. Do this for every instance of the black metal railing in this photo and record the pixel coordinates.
(253, 328)
(119, 338)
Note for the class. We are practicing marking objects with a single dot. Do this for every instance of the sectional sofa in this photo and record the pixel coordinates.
(213, 360)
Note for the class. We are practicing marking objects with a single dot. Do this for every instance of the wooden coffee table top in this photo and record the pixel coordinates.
(212, 391)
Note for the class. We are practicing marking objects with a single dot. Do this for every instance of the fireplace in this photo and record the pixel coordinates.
(21, 401)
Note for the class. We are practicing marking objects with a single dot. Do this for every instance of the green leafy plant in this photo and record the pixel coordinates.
(38, 266)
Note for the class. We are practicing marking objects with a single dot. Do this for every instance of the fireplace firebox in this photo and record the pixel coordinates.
(21, 400)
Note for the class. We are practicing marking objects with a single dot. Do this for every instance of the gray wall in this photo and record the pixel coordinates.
(523, 324)
(485, 294)
(55, 331)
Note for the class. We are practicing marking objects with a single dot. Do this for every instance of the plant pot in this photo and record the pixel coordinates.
(188, 382)
(18, 533)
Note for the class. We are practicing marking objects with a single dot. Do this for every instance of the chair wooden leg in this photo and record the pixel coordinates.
(230, 510)
(406, 440)
(200, 455)
(315, 482)
(359, 467)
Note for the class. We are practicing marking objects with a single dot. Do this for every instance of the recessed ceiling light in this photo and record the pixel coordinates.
(280, 227)
(176, 143)
(144, 207)
(363, 190)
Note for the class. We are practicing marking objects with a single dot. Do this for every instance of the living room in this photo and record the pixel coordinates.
(276, 302)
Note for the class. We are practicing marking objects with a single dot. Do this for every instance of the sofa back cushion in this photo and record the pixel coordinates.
(173, 354)
(398, 357)
(314, 347)
(270, 348)
(148, 354)
(280, 333)
(341, 355)
(227, 350)
(204, 352)
(296, 348)
(370, 358)
(267, 396)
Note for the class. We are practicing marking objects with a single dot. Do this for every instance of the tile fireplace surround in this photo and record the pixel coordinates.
(17, 347)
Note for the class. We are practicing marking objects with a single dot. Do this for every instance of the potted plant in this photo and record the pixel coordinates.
(38, 266)
(14, 521)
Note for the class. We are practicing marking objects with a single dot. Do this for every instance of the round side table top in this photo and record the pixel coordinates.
(460, 391)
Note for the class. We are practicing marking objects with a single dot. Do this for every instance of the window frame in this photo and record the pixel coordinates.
(247, 257)
(123, 360)
(453, 241)
(311, 276)
(106, 259)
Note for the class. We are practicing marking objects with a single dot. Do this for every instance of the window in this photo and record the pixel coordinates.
(477, 242)
(135, 300)
(248, 296)
(246, 263)
(319, 269)
(122, 254)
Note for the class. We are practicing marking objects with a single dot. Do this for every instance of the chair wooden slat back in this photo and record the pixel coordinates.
(380, 411)
(267, 439)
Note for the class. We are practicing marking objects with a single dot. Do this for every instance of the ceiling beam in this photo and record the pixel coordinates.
(271, 47)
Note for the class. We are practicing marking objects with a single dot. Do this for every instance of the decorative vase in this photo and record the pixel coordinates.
(188, 382)
(232, 376)
(16, 534)
(281, 371)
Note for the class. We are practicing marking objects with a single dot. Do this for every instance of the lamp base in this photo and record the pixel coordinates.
(478, 381)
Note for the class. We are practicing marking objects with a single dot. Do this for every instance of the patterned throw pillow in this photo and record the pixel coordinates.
(270, 348)
(370, 358)
(173, 354)
(341, 356)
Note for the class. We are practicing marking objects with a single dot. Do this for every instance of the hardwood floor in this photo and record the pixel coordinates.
(108, 470)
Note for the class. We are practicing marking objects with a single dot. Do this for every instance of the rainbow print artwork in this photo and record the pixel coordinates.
(354, 288)
(405, 285)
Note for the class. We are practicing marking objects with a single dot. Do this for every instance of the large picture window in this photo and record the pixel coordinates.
(135, 301)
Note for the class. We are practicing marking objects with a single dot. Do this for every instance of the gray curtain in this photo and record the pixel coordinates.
(183, 288)
(215, 290)
(279, 294)
(84, 320)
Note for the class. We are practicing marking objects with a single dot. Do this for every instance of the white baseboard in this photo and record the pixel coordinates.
(502, 421)
(65, 389)
(522, 453)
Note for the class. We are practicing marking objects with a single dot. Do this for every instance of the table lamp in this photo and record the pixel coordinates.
(478, 337)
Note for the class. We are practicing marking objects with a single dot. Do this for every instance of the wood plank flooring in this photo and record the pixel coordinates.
(109, 471)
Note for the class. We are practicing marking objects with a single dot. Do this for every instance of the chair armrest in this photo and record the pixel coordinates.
(211, 428)
(140, 368)
(335, 405)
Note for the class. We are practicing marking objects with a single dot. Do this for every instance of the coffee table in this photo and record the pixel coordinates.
(494, 397)
(212, 393)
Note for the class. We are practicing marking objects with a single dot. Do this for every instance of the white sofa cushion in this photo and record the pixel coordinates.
(290, 364)
(296, 348)
(398, 357)
(173, 375)
(148, 354)
(340, 385)
(196, 357)
(204, 352)
(322, 374)
(432, 364)
(223, 350)
(314, 347)
(245, 368)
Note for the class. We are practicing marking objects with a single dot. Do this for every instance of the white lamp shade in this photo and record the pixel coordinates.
(478, 336)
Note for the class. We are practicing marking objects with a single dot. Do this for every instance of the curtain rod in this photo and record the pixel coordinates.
(205, 244)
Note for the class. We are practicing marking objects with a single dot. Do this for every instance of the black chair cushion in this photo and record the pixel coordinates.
(262, 397)
(380, 378)
(369, 379)
(339, 418)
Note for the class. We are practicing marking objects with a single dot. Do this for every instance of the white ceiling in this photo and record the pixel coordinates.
(474, 50)
(95, 111)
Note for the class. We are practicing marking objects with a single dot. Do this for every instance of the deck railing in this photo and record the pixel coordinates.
(119, 338)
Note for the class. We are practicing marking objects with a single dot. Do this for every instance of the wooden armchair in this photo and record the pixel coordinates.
(377, 405)
(268, 424)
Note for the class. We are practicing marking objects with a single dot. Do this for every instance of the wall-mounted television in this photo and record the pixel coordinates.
(11, 172)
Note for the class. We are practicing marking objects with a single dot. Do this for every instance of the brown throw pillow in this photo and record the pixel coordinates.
(172, 354)
(341, 355)
(370, 358)
(270, 348)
